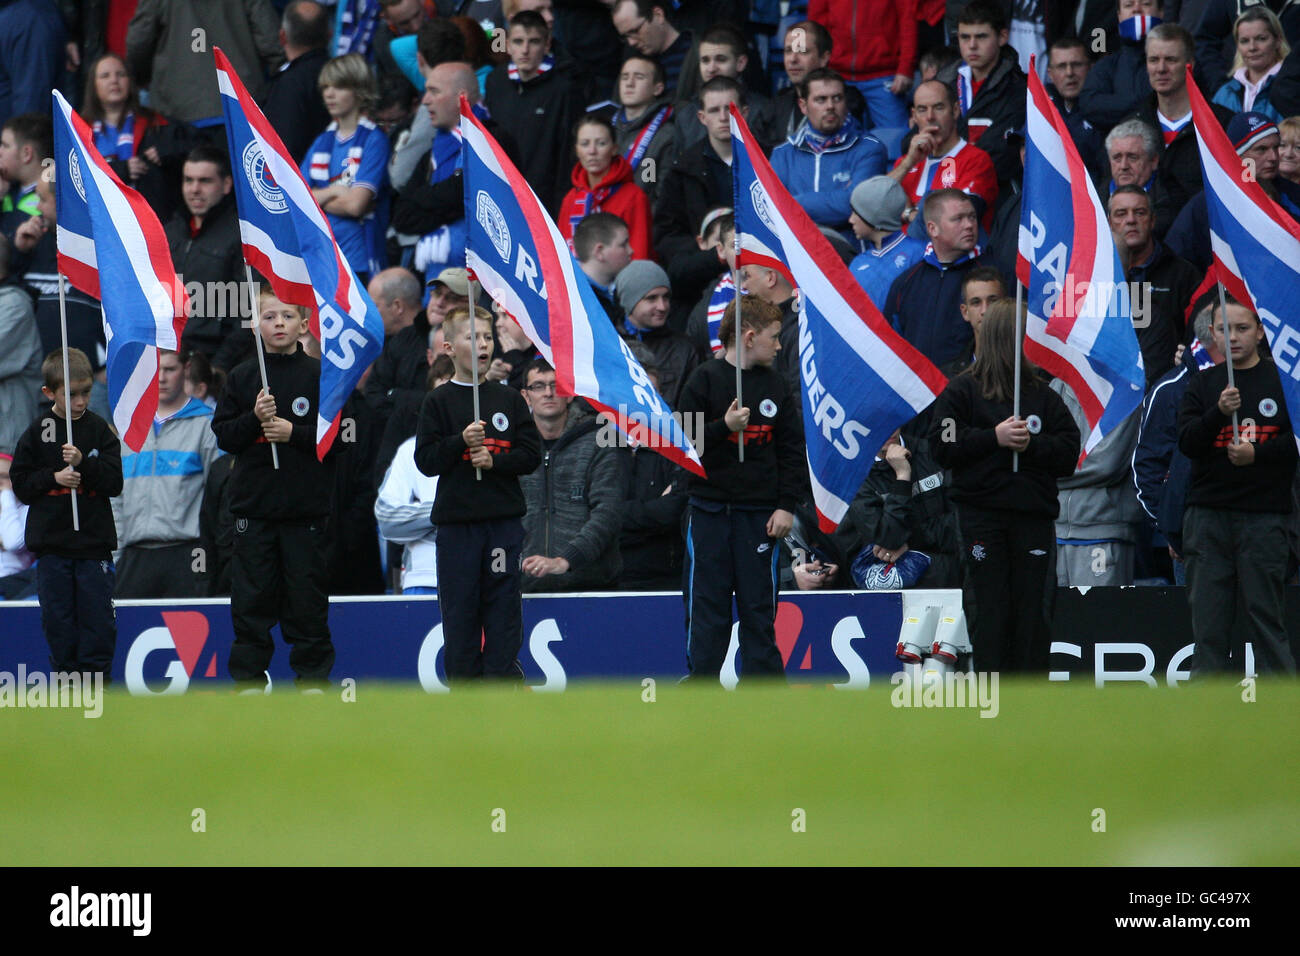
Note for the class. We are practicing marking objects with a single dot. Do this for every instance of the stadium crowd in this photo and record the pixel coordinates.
(898, 125)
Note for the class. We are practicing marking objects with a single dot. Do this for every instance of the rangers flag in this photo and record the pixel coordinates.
(287, 238)
(860, 379)
(1256, 245)
(515, 250)
(1079, 325)
(111, 246)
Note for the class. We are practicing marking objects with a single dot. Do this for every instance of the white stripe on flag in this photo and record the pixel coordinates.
(827, 502)
(286, 265)
(142, 376)
(81, 248)
(1253, 220)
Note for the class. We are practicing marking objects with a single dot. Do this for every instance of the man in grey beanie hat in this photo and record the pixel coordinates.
(877, 221)
(645, 293)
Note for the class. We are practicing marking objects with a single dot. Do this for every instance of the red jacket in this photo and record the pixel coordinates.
(617, 194)
(870, 38)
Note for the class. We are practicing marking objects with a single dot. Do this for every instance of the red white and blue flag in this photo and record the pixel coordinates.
(515, 250)
(112, 247)
(288, 239)
(1256, 245)
(860, 379)
(1079, 325)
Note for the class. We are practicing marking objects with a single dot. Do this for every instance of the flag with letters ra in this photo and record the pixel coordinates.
(1079, 322)
(288, 239)
(860, 378)
(112, 247)
(515, 250)
(1256, 245)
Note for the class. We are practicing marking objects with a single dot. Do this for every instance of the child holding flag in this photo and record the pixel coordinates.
(737, 516)
(278, 568)
(74, 569)
(480, 531)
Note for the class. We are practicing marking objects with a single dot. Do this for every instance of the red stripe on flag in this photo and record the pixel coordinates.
(640, 432)
(1061, 368)
(143, 414)
(80, 275)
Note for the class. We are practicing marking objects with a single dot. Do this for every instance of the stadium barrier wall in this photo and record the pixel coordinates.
(1100, 635)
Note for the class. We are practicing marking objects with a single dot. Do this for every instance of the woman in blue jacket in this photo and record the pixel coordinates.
(1261, 48)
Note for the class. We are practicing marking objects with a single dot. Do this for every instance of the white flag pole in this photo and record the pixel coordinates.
(1227, 348)
(261, 346)
(67, 390)
(473, 337)
(740, 402)
(1020, 332)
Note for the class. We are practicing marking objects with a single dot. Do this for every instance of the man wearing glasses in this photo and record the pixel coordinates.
(643, 25)
(575, 497)
(398, 18)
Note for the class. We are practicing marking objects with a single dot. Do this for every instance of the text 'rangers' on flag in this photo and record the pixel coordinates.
(860, 378)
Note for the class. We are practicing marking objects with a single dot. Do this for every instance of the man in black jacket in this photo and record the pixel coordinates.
(293, 104)
(536, 96)
(699, 180)
(1117, 83)
(433, 199)
(1169, 111)
(990, 86)
(207, 252)
(1160, 283)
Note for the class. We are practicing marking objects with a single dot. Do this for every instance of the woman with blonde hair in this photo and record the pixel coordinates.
(1006, 510)
(347, 166)
(1261, 48)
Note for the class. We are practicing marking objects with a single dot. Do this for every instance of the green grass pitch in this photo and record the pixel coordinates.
(1184, 776)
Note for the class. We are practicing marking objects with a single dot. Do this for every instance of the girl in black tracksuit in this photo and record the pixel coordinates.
(1006, 517)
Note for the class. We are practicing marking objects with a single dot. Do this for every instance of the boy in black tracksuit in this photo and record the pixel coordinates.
(479, 528)
(737, 516)
(1235, 539)
(74, 573)
(279, 566)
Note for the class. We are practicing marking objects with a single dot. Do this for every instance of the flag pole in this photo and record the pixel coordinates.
(1223, 311)
(1020, 332)
(260, 348)
(740, 402)
(473, 337)
(67, 389)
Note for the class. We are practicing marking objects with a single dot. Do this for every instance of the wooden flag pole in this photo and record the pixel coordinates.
(473, 337)
(261, 347)
(67, 389)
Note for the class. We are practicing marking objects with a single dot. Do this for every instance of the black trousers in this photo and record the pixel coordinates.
(165, 572)
(480, 598)
(1236, 572)
(77, 615)
(729, 553)
(1010, 565)
(279, 574)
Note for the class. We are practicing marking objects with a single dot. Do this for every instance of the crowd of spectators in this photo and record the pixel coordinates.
(898, 125)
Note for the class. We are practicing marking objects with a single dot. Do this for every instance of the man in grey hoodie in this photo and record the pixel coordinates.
(575, 497)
